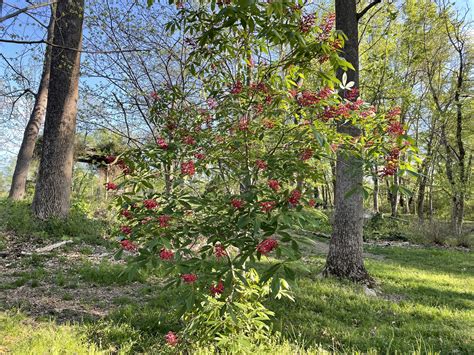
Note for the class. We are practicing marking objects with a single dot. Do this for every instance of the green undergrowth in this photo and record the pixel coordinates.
(16, 217)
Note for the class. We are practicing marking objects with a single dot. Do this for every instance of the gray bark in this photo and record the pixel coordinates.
(25, 154)
(345, 257)
(53, 187)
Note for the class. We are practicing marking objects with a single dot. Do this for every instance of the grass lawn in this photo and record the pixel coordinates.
(425, 304)
(75, 300)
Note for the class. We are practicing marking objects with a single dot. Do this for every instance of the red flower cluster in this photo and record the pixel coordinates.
(237, 88)
(352, 94)
(126, 213)
(267, 206)
(267, 245)
(166, 254)
(110, 159)
(128, 245)
(268, 123)
(244, 123)
(126, 230)
(306, 154)
(171, 338)
(164, 220)
(307, 98)
(312, 203)
(261, 87)
(217, 289)
(111, 186)
(200, 156)
(161, 143)
(261, 165)
(237, 204)
(187, 168)
(189, 278)
(391, 163)
(189, 140)
(396, 129)
(326, 26)
(294, 198)
(307, 23)
(394, 112)
(219, 251)
(336, 111)
(150, 204)
(273, 184)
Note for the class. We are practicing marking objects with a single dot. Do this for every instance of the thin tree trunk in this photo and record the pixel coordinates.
(53, 187)
(25, 154)
(345, 258)
(375, 179)
(394, 197)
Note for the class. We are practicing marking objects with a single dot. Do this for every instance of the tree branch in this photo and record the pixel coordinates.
(25, 9)
(367, 8)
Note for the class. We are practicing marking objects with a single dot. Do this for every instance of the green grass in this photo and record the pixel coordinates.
(421, 309)
(17, 217)
(21, 335)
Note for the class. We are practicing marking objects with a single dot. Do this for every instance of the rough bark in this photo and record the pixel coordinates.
(53, 187)
(345, 257)
(25, 154)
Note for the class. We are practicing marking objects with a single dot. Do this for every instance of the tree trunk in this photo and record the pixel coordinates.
(394, 197)
(53, 187)
(345, 258)
(375, 179)
(25, 154)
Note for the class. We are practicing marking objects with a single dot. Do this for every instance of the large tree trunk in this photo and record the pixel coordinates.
(53, 187)
(25, 155)
(345, 248)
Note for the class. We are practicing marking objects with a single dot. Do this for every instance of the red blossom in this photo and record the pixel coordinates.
(244, 123)
(326, 26)
(268, 99)
(111, 186)
(396, 128)
(391, 163)
(187, 168)
(294, 198)
(126, 230)
(261, 87)
(393, 113)
(312, 203)
(306, 23)
(267, 206)
(258, 109)
(273, 184)
(189, 140)
(217, 289)
(200, 156)
(268, 123)
(161, 143)
(352, 94)
(164, 220)
(110, 159)
(128, 245)
(189, 278)
(237, 88)
(126, 213)
(306, 154)
(166, 254)
(150, 204)
(267, 245)
(237, 204)
(219, 251)
(261, 165)
(171, 338)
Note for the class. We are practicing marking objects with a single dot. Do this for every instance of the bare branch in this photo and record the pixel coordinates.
(25, 9)
(367, 8)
